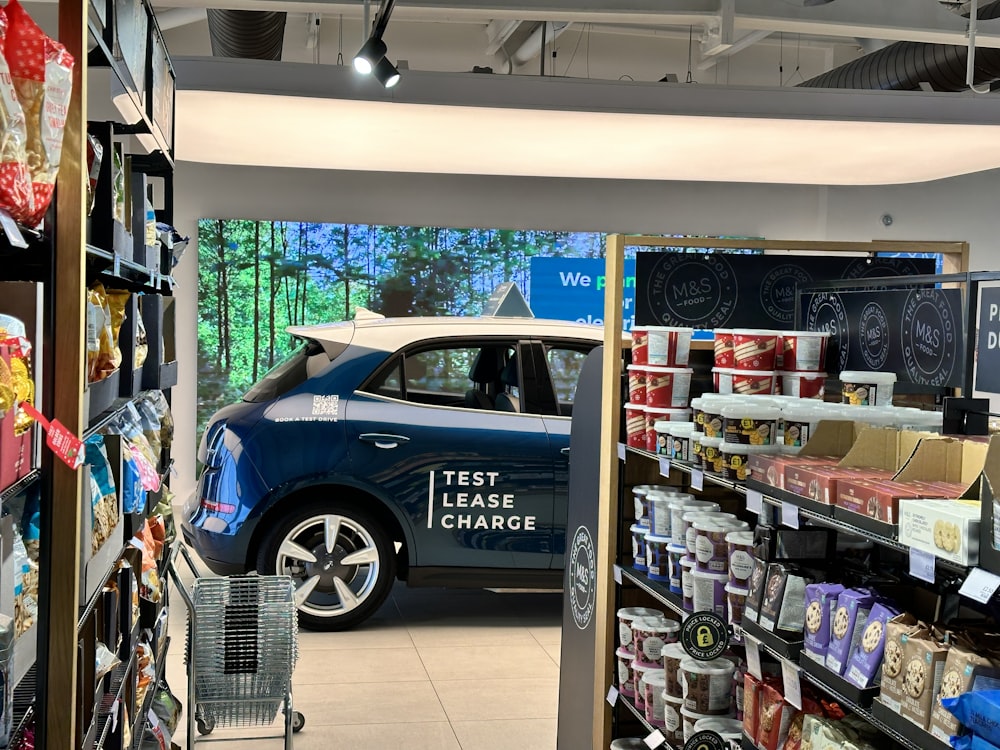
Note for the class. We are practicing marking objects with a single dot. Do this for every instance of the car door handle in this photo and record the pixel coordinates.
(564, 451)
(383, 441)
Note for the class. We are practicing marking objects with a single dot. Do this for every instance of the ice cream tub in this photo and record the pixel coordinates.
(755, 349)
(724, 353)
(640, 345)
(669, 345)
(687, 584)
(736, 600)
(803, 384)
(804, 350)
(753, 425)
(711, 549)
(657, 559)
(709, 592)
(755, 382)
(673, 725)
(690, 535)
(722, 379)
(650, 635)
(676, 553)
(637, 384)
(638, 672)
(711, 455)
(668, 387)
(635, 425)
(673, 654)
(736, 459)
(682, 506)
(639, 546)
(708, 686)
(730, 730)
(653, 681)
(739, 548)
(867, 388)
(626, 615)
(626, 679)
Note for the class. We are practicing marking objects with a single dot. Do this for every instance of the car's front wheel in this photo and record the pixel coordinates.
(341, 560)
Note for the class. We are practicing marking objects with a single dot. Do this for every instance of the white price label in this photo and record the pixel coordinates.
(12, 231)
(980, 586)
(753, 657)
(790, 515)
(793, 687)
(612, 698)
(922, 565)
(697, 479)
(616, 571)
(654, 740)
(621, 451)
(664, 467)
(755, 501)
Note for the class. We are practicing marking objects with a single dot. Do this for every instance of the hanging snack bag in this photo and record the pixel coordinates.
(117, 301)
(15, 179)
(42, 72)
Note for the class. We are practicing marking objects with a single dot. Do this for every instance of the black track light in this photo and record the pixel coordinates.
(369, 55)
(386, 73)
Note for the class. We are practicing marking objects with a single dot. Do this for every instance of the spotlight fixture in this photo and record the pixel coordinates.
(369, 55)
(386, 73)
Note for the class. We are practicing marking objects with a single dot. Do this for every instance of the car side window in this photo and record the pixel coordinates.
(388, 382)
(565, 364)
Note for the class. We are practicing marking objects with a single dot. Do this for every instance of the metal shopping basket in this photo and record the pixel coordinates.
(240, 652)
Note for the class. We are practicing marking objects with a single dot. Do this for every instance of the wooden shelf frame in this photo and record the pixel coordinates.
(955, 260)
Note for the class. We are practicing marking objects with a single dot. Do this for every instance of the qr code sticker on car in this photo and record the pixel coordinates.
(326, 406)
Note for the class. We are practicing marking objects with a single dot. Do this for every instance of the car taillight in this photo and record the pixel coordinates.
(214, 507)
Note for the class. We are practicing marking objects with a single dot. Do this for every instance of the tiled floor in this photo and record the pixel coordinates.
(434, 669)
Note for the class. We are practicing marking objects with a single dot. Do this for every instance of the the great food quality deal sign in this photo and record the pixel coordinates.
(719, 290)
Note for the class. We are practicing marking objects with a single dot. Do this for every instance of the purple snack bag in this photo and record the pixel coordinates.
(821, 600)
(846, 626)
(866, 658)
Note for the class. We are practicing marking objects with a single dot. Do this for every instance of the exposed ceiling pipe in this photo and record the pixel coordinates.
(904, 66)
(532, 46)
(251, 34)
(178, 17)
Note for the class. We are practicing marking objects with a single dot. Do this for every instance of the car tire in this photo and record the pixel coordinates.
(341, 560)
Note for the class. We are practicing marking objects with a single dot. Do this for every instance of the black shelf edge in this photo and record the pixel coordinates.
(106, 713)
(24, 704)
(688, 469)
(771, 641)
(862, 697)
(21, 485)
(657, 590)
(124, 272)
(641, 716)
(138, 721)
(776, 496)
(916, 736)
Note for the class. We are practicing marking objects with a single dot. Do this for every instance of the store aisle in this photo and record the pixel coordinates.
(434, 669)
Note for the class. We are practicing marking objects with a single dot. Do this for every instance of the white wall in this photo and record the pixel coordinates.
(957, 209)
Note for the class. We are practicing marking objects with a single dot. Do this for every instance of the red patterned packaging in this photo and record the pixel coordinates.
(42, 73)
(15, 179)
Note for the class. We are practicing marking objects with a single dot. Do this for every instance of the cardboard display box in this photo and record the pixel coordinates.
(948, 529)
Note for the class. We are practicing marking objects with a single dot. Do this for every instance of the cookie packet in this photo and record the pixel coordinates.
(774, 591)
(758, 574)
(820, 603)
(923, 668)
(866, 658)
(847, 625)
(898, 632)
(792, 612)
(961, 667)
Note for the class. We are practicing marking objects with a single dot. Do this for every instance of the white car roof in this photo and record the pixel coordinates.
(390, 334)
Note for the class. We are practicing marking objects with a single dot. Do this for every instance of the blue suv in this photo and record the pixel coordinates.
(434, 450)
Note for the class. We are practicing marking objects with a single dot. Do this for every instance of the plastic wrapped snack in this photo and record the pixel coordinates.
(15, 179)
(42, 72)
(100, 347)
(117, 300)
(104, 503)
(95, 156)
(976, 711)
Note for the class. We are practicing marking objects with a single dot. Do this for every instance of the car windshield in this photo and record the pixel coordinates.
(287, 374)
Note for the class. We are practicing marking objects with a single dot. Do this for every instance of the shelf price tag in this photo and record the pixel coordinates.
(755, 501)
(753, 657)
(612, 698)
(621, 451)
(654, 740)
(67, 446)
(790, 516)
(12, 230)
(793, 687)
(922, 565)
(697, 479)
(616, 571)
(980, 586)
(664, 466)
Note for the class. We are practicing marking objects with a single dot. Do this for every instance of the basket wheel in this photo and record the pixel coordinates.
(298, 721)
(205, 726)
